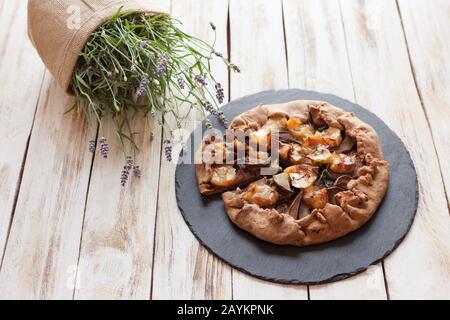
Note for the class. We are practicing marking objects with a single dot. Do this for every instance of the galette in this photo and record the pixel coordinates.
(296, 173)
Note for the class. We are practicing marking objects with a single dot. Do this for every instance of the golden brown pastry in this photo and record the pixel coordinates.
(330, 180)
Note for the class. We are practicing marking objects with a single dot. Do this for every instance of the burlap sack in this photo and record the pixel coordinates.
(59, 29)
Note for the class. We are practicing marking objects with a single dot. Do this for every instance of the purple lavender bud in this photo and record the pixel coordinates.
(161, 65)
(129, 163)
(137, 171)
(181, 83)
(142, 86)
(168, 150)
(133, 69)
(218, 54)
(213, 26)
(104, 147)
(124, 176)
(92, 146)
(219, 92)
(223, 119)
(208, 107)
(200, 80)
(235, 68)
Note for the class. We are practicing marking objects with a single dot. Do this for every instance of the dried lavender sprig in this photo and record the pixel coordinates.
(135, 48)
(218, 54)
(199, 78)
(209, 108)
(161, 64)
(168, 150)
(126, 171)
(223, 120)
(129, 162)
(92, 146)
(181, 83)
(124, 176)
(142, 86)
(137, 171)
(235, 68)
(219, 92)
(104, 147)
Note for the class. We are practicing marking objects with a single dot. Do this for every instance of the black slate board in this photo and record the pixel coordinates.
(327, 262)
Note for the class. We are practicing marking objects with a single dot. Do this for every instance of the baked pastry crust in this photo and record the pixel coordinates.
(353, 207)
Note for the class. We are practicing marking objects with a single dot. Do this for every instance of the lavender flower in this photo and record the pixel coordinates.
(213, 26)
(208, 107)
(223, 119)
(142, 86)
(168, 150)
(143, 44)
(133, 69)
(181, 83)
(161, 65)
(129, 162)
(137, 171)
(235, 68)
(219, 92)
(199, 78)
(217, 54)
(126, 171)
(92, 146)
(124, 176)
(104, 147)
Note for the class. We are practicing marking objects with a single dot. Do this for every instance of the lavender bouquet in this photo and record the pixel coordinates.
(145, 63)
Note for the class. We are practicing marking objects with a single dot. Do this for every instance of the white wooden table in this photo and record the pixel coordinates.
(69, 231)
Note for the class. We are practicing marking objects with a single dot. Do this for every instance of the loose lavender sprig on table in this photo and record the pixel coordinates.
(146, 63)
(104, 147)
(219, 92)
(92, 146)
(168, 150)
(126, 171)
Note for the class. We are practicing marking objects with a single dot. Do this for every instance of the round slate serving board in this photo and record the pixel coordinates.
(338, 259)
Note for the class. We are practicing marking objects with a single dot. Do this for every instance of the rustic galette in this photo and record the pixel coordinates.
(298, 173)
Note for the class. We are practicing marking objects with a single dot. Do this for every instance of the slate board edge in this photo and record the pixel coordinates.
(336, 277)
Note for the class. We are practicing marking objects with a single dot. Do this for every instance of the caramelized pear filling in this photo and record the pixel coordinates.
(318, 163)
(261, 194)
(223, 176)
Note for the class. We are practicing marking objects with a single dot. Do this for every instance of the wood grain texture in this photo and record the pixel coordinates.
(42, 251)
(383, 81)
(183, 269)
(116, 254)
(354, 49)
(17, 57)
(429, 49)
(117, 241)
(317, 60)
(257, 45)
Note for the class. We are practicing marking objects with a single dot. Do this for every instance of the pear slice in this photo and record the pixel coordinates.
(282, 181)
(302, 176)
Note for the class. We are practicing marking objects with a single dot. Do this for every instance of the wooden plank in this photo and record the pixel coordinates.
(182, 268)
(18, 101)
(257, 46)
(383, 81)
(117, 241)
(318, 60)
(118, 234)
(429, 49)
(42, 250)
